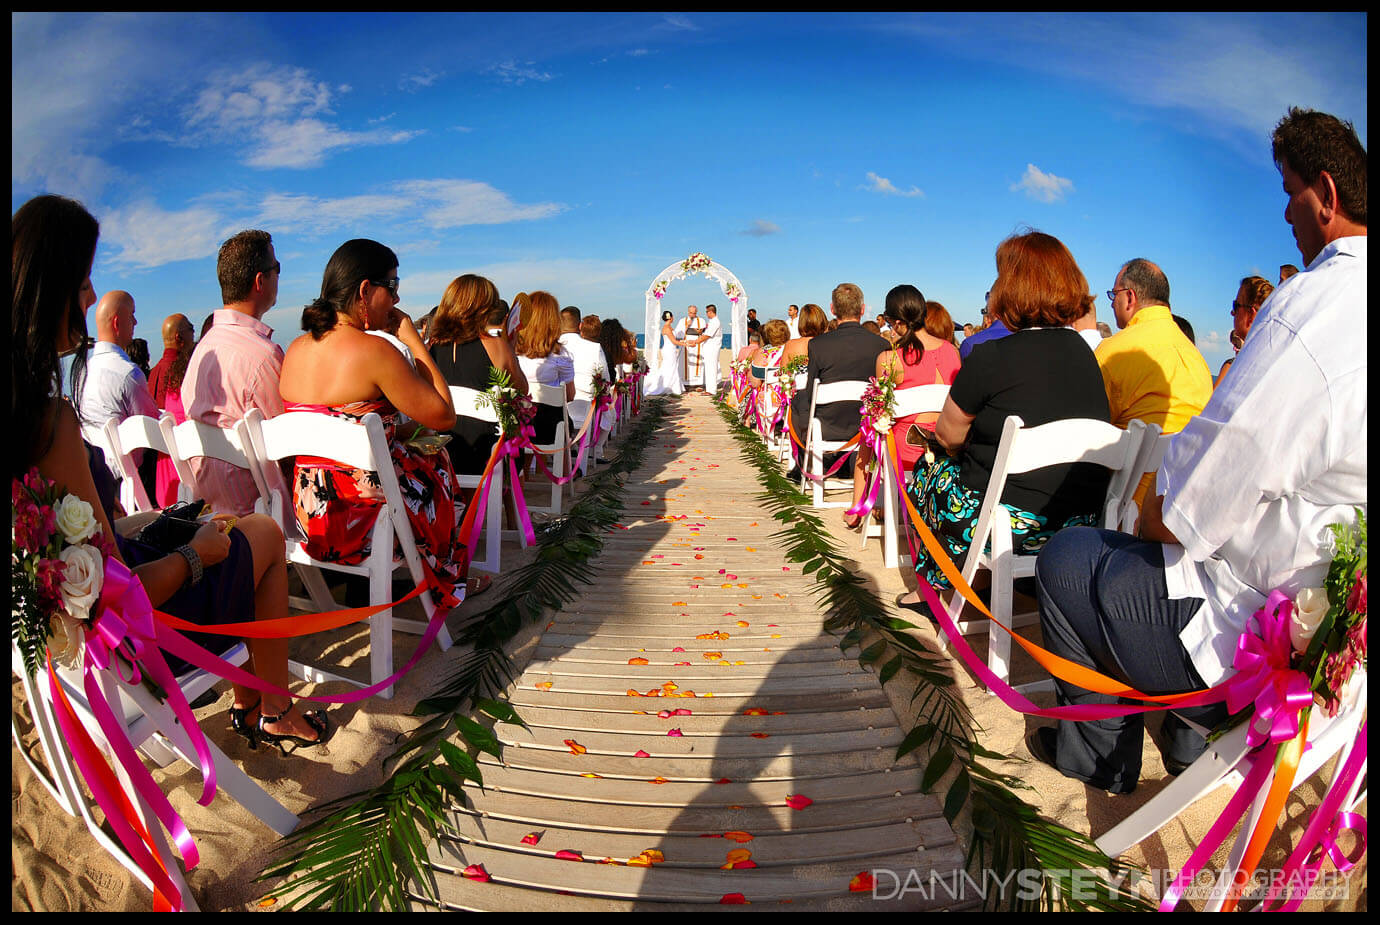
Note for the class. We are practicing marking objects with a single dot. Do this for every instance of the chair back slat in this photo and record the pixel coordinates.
(467, 405)
(921, 399)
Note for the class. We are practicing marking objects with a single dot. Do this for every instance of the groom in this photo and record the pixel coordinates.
(691, 330)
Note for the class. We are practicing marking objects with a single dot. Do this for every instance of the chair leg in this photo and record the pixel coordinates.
(381, 630)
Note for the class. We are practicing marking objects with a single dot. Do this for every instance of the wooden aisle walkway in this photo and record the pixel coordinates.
(688, 714)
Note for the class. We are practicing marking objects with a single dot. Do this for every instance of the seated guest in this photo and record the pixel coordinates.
(1245, 494)
(225, 574)
(165, 385)
(847, 353)
(139, 355)
(543, 360)
(583, 346)
(939, 325)
(114, 388)
(467, 356)
(236, 365)
(1043, 372)
(811, 324)
(777, 333)
(1250, 295)
(919, 358)
(753, 345)
(992, 328)
(1286, 270)
(1151, 369)
(615, 344)
(337, 368)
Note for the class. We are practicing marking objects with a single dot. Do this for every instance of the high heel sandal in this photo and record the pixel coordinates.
(316, 720)
(239, 722)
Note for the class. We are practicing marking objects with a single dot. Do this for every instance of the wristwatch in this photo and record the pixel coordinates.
(193, 563)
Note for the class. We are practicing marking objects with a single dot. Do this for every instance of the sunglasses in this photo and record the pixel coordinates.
(390, 284)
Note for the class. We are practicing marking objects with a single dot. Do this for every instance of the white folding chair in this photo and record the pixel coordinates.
(361, 446)
(554, 396)
(1025, 449)
(194, 439)
(466, 402)
(153, 728)
(922, 399)
(137, 432)
(847, 391)
(1225, 764)
(1148, 459)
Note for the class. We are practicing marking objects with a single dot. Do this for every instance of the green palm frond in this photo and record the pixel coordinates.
(1009, 835)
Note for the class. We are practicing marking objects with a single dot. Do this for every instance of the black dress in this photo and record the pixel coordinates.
(225, 593)
(467, 365)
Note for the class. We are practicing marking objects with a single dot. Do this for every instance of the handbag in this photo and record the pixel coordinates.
(175, 526)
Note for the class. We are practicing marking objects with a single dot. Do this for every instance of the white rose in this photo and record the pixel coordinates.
(1309, 609)
(882, 425)
(81, 579)
(76, 519)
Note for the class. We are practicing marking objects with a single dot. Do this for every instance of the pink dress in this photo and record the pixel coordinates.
(168, 482)
(936, 366)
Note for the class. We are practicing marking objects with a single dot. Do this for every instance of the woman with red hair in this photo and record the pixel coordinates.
(1042, 372)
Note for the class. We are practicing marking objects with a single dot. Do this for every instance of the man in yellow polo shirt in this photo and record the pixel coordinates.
(1151, 370)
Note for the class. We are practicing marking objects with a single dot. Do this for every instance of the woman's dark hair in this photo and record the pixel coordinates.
(52, 244)
(905, 303)
(352, 263)
(667, 316)
(611, 339)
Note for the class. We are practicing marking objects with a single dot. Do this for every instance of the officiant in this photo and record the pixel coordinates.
(690, 329)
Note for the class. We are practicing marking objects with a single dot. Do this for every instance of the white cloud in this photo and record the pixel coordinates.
(511, 72)
(450, 203)
(681, 23)
(882, 185)
(1041, 186)
(424, 78)
(761, 228)
(145, 235)
(276, 116)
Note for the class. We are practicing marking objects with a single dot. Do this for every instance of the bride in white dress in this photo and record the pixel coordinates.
(664, 377)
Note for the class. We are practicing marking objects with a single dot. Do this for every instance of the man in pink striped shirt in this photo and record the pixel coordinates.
(236, 366)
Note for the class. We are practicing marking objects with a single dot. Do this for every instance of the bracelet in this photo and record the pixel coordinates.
(193, 563)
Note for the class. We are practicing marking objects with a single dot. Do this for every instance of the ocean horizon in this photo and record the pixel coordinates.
(727, 341)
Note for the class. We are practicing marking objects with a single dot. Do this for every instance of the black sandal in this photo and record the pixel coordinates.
(239, 722)
(316, 720)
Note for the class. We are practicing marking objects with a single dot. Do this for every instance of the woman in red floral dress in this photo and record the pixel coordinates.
(339, 368)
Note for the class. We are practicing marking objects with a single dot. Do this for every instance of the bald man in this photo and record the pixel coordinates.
(179, 337)
(114, 388)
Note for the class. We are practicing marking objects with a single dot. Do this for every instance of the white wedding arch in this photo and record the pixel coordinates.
(697, 263)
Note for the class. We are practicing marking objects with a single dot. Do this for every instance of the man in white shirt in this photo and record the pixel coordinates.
(114, 388)
(1246, 491)
(793, 320)
(711, 342)
(580, 338)
(690, 328)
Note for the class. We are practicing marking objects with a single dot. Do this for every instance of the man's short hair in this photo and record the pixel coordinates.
(570, 318)
(1184, 326)
(590, 326)
(1311, 142)
(1146, 280)
(713, 306)
(241, 259)
(1286, 270)
(848, 302)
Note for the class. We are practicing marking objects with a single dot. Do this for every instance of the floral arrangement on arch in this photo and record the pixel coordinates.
(659, 289)
(514, 409)
(696, 263)
(733, 292)
(57, 570)
(1328, 625)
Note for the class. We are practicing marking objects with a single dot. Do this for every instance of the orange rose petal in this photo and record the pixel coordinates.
(754, 711)
(680, 665)
(607, 861)
(575, 747)
(658, 780)
(760, 735)
(267, 901)
(744, 623)
(653, 854)
(592, 774)
(862, 883)
(638, 661)
(639, 861)
(713, 655)
(633, 693)
(739, 837)
(544, 686)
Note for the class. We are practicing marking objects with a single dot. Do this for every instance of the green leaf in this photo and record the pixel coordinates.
(939, 764)
(872, 652)
(499, 710)
(462, 763)
(915, 738)
(889, 670)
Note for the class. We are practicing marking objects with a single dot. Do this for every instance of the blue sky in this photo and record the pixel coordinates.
(583, 153)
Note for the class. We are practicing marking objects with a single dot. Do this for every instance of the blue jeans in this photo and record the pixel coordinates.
(1104, 604)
